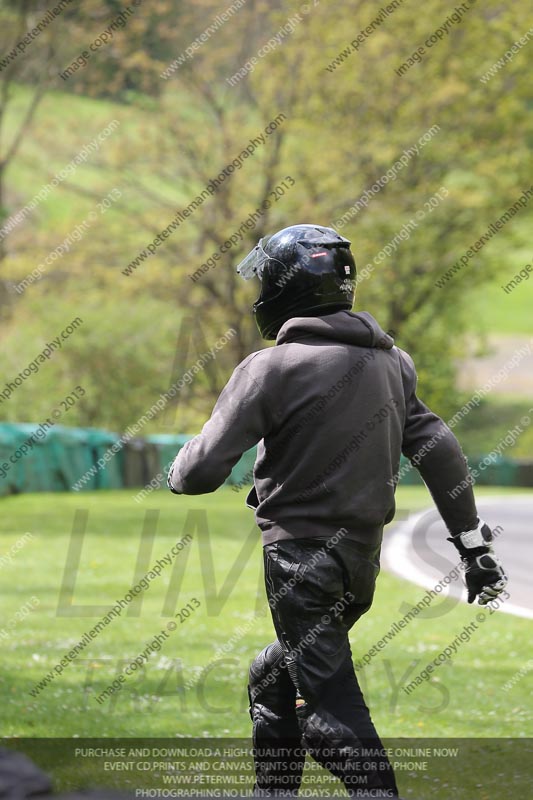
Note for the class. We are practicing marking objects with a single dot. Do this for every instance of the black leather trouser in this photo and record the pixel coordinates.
(304, 694)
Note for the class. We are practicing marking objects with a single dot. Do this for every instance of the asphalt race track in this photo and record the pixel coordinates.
(417, 550)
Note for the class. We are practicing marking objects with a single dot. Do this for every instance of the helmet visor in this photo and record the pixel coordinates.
(254, 263)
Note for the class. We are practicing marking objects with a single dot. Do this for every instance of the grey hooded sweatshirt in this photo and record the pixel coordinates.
(331, 407)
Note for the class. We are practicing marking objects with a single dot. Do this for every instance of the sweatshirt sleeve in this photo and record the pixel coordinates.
(433, 449)
(240, 418)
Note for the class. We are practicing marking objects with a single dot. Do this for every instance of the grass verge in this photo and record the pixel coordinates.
(195, 685)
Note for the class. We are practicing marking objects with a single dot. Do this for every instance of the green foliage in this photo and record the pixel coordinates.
(499, 312)
(489, 425)
(344, 129)
(122, 355)
(364, 116)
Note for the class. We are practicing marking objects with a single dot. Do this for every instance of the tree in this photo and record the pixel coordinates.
(364, 116)
(16, 21)
(343, 123)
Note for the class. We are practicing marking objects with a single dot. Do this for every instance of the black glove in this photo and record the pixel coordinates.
(484, 573)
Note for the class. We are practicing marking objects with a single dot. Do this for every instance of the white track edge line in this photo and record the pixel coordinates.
(398, 561)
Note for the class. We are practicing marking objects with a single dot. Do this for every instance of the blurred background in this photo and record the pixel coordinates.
(90, 198)
(144, 149)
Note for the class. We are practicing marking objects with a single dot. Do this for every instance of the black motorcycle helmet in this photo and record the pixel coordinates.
(305, 270)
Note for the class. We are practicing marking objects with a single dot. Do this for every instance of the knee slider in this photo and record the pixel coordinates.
(264, 670)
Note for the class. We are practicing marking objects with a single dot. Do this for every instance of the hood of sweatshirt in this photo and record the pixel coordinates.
(358, 328)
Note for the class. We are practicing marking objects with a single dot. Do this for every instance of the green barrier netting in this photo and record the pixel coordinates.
(524, 470)
(63, 459)
(109, 473)
(141, 462)
(499, 471)
(409, 476)
(30, 461)
(167, 447)
(70, 457)
(242, 472)
(495, 471)
(11, 474)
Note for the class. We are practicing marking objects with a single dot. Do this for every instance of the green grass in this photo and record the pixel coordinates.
(498, 312)
(43, 155)
(464, 698)
(105, 573)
